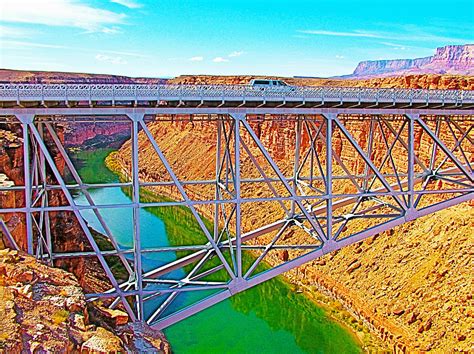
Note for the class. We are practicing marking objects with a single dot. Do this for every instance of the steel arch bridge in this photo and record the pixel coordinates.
(407, 153)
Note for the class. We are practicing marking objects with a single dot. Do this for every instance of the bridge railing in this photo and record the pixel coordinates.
(97, 92)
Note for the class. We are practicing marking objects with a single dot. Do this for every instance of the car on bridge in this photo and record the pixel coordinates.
(271, 84)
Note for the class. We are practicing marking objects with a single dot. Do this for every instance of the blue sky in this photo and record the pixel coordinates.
(164, 38)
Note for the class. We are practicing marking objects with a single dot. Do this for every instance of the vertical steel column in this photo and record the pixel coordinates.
(410, 213)
(45, 200)
(25, 120)
(329, 119)
(218, 166)
(136, 216)
(238, 211)
(296, 162)
(435, 146)
(369, 151)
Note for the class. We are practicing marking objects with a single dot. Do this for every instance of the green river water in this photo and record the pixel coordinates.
(269, 318)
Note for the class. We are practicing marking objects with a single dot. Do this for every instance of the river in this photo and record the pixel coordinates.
(270, 318)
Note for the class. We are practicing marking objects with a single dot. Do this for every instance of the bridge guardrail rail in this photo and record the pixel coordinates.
(137, 92)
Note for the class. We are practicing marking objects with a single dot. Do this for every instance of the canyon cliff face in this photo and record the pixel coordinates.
(66, 232)
(452, 59)
(99, 134)
(11, 172)
(410, 285)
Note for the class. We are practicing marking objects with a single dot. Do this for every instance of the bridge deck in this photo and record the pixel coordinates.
(227, 96)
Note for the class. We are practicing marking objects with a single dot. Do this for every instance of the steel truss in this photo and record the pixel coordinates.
(322, 200)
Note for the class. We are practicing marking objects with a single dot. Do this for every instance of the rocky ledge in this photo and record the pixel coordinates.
(44, 310)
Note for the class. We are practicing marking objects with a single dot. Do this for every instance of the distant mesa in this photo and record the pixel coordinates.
(56, 77)
(451, 59)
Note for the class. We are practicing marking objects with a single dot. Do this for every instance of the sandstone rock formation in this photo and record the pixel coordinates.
(96, 135)
(44, 309)
(66, 232)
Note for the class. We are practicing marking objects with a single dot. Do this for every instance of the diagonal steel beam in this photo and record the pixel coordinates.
(443, 147)
(262, 172)
(87, 194)
(314, 223)
(368, 161)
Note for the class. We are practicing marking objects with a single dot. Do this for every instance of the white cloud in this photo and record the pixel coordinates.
(220, 60)
(199, 58)
(127, 3)
(339, 57)
(111, 60)
(342, 34)
(411, 33)
(23, 44)
(13, 32)
(66, 13)
(13, 44)
(109, 30)
(395, 45)
(236, 54)
(128, 54)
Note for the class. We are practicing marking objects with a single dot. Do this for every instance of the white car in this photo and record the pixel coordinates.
(271, 84)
